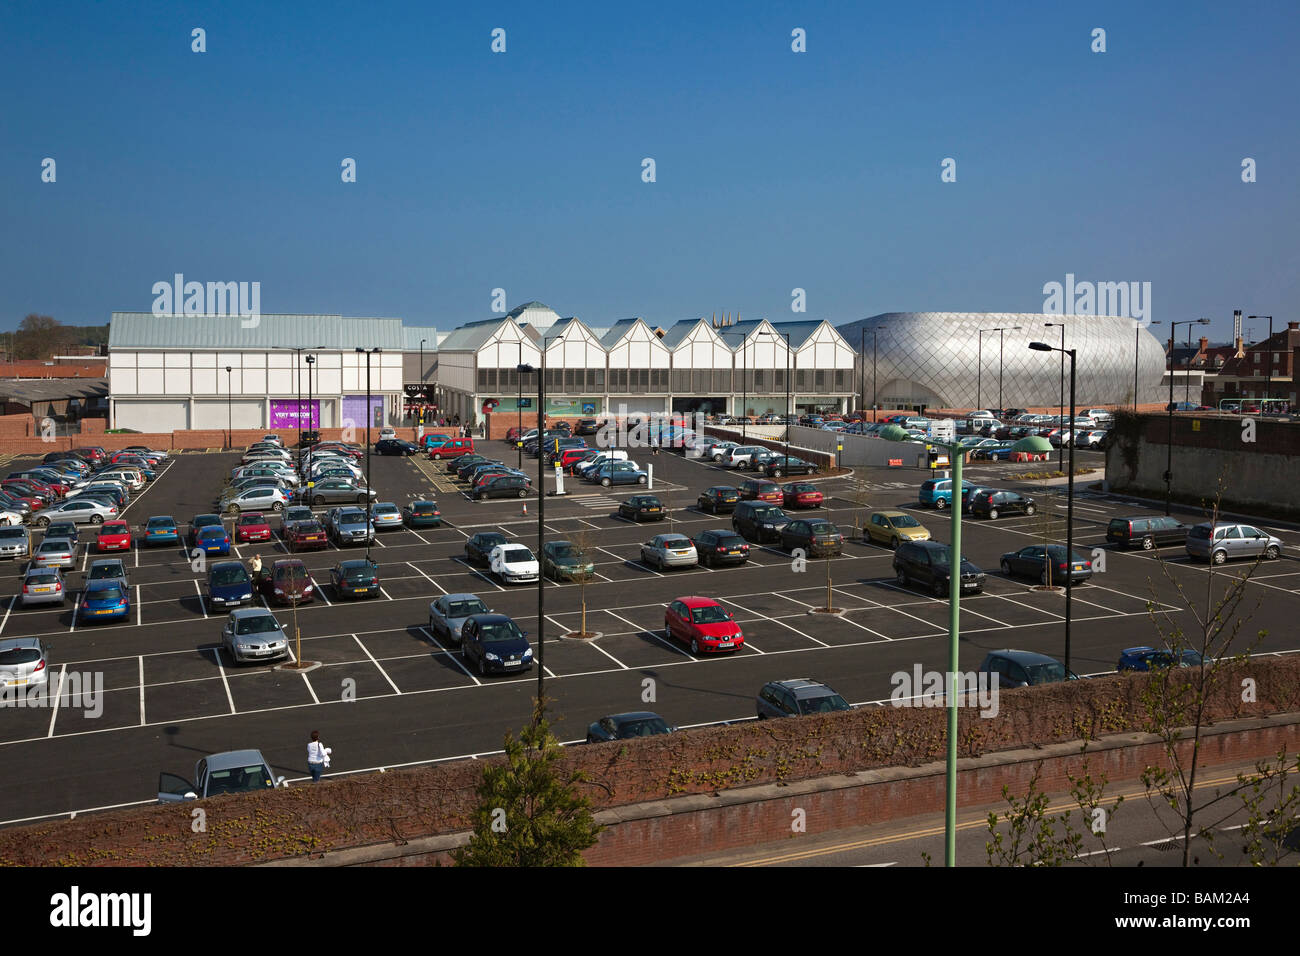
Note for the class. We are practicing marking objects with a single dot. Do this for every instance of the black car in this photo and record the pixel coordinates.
(781, 465)
(587, 426)
(495, 643)
(759, 521)
(503, 486)
(642, 508)
(454, 464)
(719, 499)
(1046, 563)
(469, 467)
(396, 446)
(720, 547)
(641, 723)
(1149, 658)
(797, 698)
(1146, 532)
(817, 536)
(478, 549)
(355, 578)
(991, 503)
(761, 459)
(1024, 668)
(929, 563)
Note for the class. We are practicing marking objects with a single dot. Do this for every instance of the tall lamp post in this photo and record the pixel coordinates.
(1268, 388)
(1069, 502)
(229, 416)
(955, 455)
(979, 362)
(744, 390)
(313, 420)
(1169, 460)
(541, 520)
(874, 356)
(1061, 457)
(786, 336)
(519, 439)
(369, 417)
(1137, 351)
(297, 367)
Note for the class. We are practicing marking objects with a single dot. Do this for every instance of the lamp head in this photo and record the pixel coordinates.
(1040, 346)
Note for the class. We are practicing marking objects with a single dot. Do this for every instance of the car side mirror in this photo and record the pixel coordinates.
(282, 782)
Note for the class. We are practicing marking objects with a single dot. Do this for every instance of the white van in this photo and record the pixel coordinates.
(610, 455)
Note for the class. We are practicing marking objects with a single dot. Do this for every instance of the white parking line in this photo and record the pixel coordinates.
(643, 630)
(775, 621)
(58, 698)
(426, 577)
(140, 658)
(396, 689)
(455, 658)
(12, 601)
(216, 656)
(139, 606)
(202, 604)
(323, 596)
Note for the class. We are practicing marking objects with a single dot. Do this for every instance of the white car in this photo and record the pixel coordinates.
(514, 564)
(387, 432)
(741, 456)
(272, 438)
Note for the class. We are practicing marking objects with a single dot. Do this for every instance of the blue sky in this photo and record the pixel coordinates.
(775, 170)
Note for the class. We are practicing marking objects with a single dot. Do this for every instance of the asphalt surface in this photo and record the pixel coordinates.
(389, 695)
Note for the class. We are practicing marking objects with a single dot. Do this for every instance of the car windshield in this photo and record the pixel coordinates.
(353, 517)
(246, 520)
(499, 633)
(646, 727)
(105, 594)
(904, 521)
(161, 523)
(384, 509)
(230, 575)
(310, 527)
(238, 780)
(564, 551)
(676, 541)
(20, 655)
(42, 577)
(359, 572)
(709, 615)
(823, 705)
(296, 572)
(821, 527)
(803, 488)
(1045, 673)
(52, 547)
(422, 509)
(258, 624)
(768, 512)
(100, 571)
(13, 531)
(212, 531)
(466, 608)
(512, 555)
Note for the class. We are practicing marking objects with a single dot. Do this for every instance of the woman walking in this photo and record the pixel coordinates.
(318, 756)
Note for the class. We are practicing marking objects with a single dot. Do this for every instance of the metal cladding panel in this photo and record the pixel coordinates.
(937, 355)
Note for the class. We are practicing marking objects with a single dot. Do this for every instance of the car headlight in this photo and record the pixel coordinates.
(527, 654)
(279, 590)
(491, 657)
(246, 594)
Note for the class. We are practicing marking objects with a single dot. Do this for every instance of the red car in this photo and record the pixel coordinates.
(113, 536)
(252, 526)
(288, 582)
(704, 624)
(515, 433)
(29, 488)
(801, 494)
(306, 536)
(756, 489)
(573, 454)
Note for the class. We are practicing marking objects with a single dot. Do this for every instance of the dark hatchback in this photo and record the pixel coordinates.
(504, 486)
(991, 503)
(229, 584)
(355, 578)
(759, 521)
(719, 499)
(1147, 532)
(1047, 564)
(587, 426)
(789, 466)
(495, 643)
(929, 563)
(816, 536)
(642, 508)
(396, 446)
(1149, 658)
(1024, 668)
(720, 547)
(640, 723)
(478, 548)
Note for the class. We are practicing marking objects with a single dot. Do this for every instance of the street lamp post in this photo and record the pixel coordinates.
(297, 368)
(519, 439)
(874, 355)
(1137, 350)
(979, 362)
(744, 390)
(1169, 460)
(313, 420)
(1060, 462)
(229, 416)
(1268, 387)
(541, 520)
(955, 455)
(1069, 502)
(369, 417)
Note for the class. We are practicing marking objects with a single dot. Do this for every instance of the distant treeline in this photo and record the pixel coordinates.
(43, 336)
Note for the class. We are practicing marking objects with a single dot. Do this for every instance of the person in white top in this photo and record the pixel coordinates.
(318, 756)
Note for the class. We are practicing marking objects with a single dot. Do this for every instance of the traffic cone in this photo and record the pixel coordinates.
(525, 511)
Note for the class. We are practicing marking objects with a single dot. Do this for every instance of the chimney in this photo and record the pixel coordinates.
(1293, 326)
(1204, 343)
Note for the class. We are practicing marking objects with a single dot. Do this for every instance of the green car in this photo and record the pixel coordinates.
(561, 561)
(422, 514)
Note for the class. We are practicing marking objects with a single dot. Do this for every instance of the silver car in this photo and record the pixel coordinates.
(451, 611)
(236, 771)
(1218, 543)
(261, 498)
(253, 634)
(15, 542)
(107, 569)
(43, 586)
(349, 526)
(670, 551)
(385, 514)
(55, 553)
(23, 663)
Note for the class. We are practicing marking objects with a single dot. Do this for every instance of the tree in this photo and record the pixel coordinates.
(39, 337)
(584, 543)
(528, 813)
(1032, 835)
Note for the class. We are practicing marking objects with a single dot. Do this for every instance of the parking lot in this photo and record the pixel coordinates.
(389, 694)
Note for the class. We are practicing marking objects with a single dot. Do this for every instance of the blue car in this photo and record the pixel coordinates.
(1149, 658)
(616, 473)
(161, 530)
(213, 540)
(229, 584)
(937, 492)
(105, 600)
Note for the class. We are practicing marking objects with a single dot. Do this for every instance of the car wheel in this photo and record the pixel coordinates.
(940, 503)
(993, 512)
(605, 482)
(482, 667)
(43, 522)
(1219, 557)
(523, 492)
(318, 500)
(893, 544)
(1148, 543)
(776, 473)
(277, 506)
(94, 519)
(695, 646)
(1030, 509)
(1042, 578)
(940, 587)
(640, 479)
(1006, 567)
(1271, 552)
(437, 457)
(668, 632)
(902, 578)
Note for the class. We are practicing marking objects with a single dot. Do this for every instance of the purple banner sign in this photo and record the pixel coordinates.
(284, 413)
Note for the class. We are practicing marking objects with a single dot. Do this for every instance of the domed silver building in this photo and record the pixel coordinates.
(955, 359)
